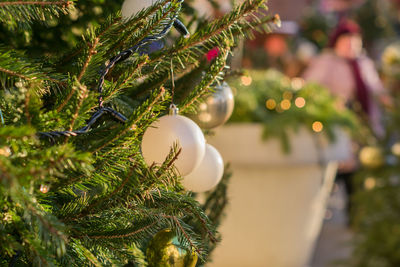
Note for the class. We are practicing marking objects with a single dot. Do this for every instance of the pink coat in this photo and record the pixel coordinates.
(335, 73)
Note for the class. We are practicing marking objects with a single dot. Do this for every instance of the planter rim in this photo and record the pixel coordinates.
(242, 143)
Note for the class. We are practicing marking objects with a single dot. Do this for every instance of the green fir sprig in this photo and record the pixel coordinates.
(91, 199)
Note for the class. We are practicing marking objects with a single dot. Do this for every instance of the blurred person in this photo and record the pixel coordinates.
(350, 75)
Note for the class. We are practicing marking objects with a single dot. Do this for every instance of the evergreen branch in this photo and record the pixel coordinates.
(184, 232)
(36, 3)
(129, 35)
(133, 124)
(150, 83)
(26, 107)
(207, 37)
(156, 22)
(15, 67)
(138, 67)
(203, 222)
(28, 204)
(123, 183)
(122, 235)
(45, 222)
(85, 252)
(20, 13)
(86, 211)
(42, 76)
(168, 164)
(13, 73)
(142, 40)
(24, 77)
(137, 19)
(4, 173)
(91, 51)
(123, 202)
(149, 182)
(215, 28)
(130, 27)
(83, 95)
(157, 177)
(212, 74)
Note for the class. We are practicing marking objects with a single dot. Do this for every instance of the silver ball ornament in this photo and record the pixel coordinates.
(216, 108)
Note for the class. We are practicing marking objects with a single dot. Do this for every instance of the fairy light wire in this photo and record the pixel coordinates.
(174, 22)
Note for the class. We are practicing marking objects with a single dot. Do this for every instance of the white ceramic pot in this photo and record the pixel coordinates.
(276, 200)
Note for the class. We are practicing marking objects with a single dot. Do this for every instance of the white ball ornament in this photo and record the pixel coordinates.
(131, 7)
(172, 129)
(207, 174)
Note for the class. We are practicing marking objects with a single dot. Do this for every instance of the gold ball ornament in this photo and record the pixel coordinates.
(396, 149)
(371, 157)
(164, 250)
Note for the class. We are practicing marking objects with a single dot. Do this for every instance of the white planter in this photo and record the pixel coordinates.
(277, 201)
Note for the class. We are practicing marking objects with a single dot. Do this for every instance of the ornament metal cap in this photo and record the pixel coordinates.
(173, 109)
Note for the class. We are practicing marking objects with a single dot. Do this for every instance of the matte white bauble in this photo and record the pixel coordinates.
(131, 7)
(168, 130)
(208, 174)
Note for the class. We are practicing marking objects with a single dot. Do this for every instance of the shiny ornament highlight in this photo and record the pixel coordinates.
(216, 108)
(207, 174)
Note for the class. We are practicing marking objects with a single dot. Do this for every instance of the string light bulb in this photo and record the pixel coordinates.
(285, 104)
(317, 126)
(297, 83)
(287, 95)
(369, 183)
(246, 80)
(300, 102)
(270, 104)
(44, 188)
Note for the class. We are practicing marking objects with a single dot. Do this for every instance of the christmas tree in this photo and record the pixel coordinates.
(75, 189)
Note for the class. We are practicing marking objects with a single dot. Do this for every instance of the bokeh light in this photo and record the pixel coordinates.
(317, 126)
(297, 83)
(279, 109)
(285, 104)
(300, 102)
(44, 188)
(396, 149)
(287, 95)
(270, 104)
(369, 183)
(246, 80)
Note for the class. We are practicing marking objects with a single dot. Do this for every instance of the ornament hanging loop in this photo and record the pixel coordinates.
(173, 109)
